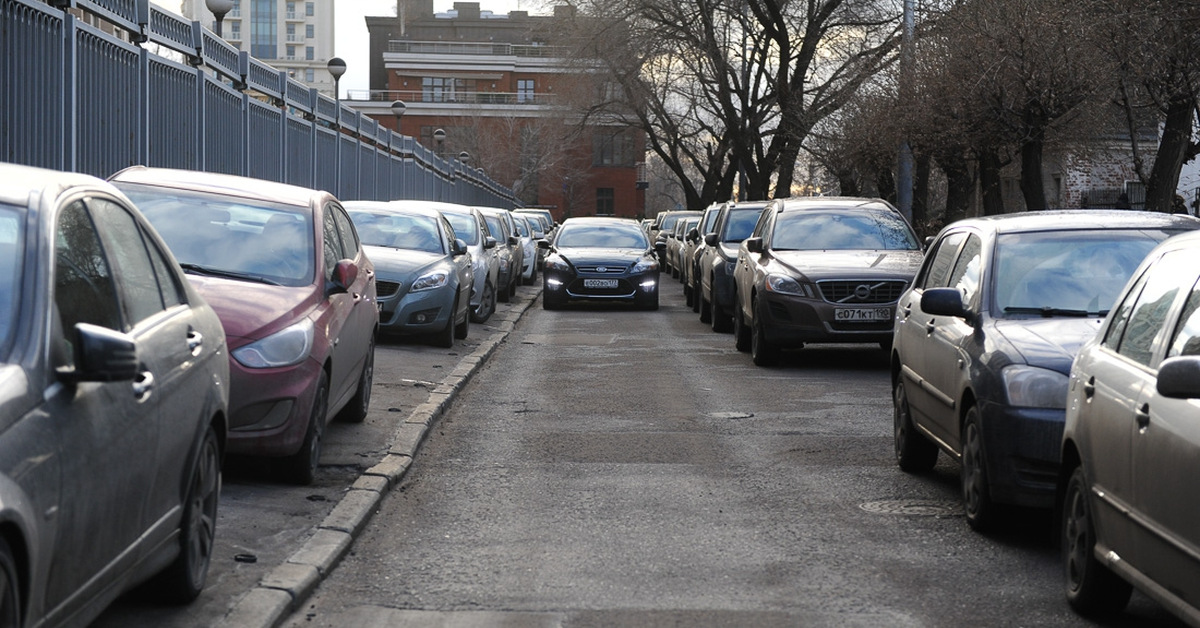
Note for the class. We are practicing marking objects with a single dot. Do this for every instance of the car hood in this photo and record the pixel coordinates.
(819, 264)
(1050, 343)
(252, 311)
(589, 256)
(400, 264)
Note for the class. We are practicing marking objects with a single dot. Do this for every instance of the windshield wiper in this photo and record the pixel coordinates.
(228, 274)
(1048, 311)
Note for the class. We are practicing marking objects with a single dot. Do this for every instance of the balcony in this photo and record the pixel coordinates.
(454, 98)
(476, 49)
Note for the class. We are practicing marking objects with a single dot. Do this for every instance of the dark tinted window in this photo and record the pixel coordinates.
(965, 276)
(941, 261)
(333, 245)
(1150, 311)
(345, 231)
(12, 255)
(145, 289)
(83, 281)
(816, 230)
(740, 224)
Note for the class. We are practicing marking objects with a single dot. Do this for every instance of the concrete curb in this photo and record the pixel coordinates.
(284, 590)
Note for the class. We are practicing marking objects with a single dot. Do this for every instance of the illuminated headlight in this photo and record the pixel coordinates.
(645, 264)
(430, 281)
(283, 348)
(785, 284)
(1033, 387)
(556, 263)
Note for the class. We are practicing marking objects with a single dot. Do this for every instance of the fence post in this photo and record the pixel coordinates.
(70, 123)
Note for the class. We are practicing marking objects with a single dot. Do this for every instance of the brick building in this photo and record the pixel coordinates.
(509, 92)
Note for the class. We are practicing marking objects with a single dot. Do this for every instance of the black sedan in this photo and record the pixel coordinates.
(600, 259)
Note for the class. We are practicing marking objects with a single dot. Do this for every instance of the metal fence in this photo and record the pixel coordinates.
(130, 83)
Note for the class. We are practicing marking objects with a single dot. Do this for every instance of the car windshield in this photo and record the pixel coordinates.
(604, 237)
(740, 223)
(11, 256)
(1072, 273)
(820, 230)
(398, 231)
(465, 227)
(226, 236)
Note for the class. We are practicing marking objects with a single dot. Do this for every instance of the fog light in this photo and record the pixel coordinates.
(648, 284)
(424, 316)
(553, 283)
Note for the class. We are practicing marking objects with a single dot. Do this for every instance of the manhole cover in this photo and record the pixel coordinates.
(915, 507)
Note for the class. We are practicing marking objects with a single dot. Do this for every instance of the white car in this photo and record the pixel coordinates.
(529, 229)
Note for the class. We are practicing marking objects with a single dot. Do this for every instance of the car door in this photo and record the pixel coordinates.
(108, 430)
(1166, 454)
(750, 271)
(353, 313)
(462, 266)
(914, 332)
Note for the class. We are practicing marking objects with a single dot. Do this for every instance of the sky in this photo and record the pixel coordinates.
(351, 39)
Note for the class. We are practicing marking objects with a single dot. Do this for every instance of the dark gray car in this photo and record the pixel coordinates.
(734, 223)
(114, 387)
(984, 341)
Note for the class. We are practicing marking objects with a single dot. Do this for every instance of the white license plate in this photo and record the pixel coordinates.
(599, 283)
(862, 315)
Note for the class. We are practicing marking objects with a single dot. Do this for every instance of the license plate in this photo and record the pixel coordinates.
(599, 283)
(863, 315)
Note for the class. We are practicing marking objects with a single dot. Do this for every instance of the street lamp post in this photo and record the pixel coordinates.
(219, 8)
(439, 138)
(464, 157)
(337, 67)
(398, 109)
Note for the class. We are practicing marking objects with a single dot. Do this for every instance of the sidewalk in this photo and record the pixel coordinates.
(285, 589)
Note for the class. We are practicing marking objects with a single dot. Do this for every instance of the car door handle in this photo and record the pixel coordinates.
(929, 327)
(906, 311)
(1089, 388)
(1143, 416)
(143, 385)
(195, 340)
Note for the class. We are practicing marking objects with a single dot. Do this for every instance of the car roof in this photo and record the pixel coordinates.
(601, 220)
(17, 182)
(410, 209)
(1070, 219)
(833, 202)
(233, 185)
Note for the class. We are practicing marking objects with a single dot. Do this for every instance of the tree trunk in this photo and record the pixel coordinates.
(989, 182)
(920, 200)
(1164, 177)
(885, 180)
(847, 182)
(960, 186)
(1032, 187)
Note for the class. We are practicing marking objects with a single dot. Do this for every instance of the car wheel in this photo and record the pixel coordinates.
(1091, 588)
(977, 499)
(301, 467)
(462, 329)
(183, 579)
(503, 293)
(761, 352)
(741, 333)
(445, 337)
(705, 309)
(10, 597)
(688, 297)
(721, 322)
(356, 409)
(914, 452)
(487, 304)
(695, 303)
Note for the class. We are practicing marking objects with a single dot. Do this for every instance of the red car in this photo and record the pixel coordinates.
(284, 270)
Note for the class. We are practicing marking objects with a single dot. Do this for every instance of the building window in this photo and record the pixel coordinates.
(262, 29)
(612, 92)
(235, 31)
(444, 89)
(309, 31)
(308, 9)
(309, 75)
(309, 54)
(291, 10)
(524, 90)
(604, 202)
(237, 9)
(291, 32)
(291, 53)
(612, 148)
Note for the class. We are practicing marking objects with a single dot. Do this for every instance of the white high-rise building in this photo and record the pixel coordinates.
(292, 35)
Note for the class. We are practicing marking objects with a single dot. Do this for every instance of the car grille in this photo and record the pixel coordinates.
(623, 289)
(609, 269)
(386, 288)
(847, 292)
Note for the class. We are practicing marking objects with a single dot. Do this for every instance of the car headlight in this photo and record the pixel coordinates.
(504, 262)
(429, 281)
(785, 284)
(556, 263)
(645, 264)
(1033, 387)
(282, 348)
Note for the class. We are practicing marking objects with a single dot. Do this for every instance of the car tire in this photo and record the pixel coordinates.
(695, 303)
(10, 588)
(503, 294)
(978, 506)
(705, 308)
(445, 337)
(688, 297)
(1092, 589)
(741, 333)
(722, 323)
(461, 330)
(487, 304)
(356, 409)
(762, 353)
(183, 580)
(914, 452)
(300, 468)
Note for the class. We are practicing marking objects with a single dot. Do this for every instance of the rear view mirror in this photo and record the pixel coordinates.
(102, 355)
(944, 302)
(344, 275)
(460, 247)
(1179, 378)
(754, 245)
(710, 239)
(489, 242)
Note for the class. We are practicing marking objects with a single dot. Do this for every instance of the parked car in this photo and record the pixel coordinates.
(984, 340)
(664, 222)
(509, 251)
(693, 250)
(543, 215)
(284, 270)
(821, 269)
(734, 223)
(675, 242)
(599, 259)
(116, 384)
(1131, 448)
(471, 228)
(528, 233)
(423, 270)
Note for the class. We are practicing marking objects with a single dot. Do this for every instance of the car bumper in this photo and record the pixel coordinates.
(795, 321)
(1023, 451)
(423, 312)
(269, 409)
(570, 287)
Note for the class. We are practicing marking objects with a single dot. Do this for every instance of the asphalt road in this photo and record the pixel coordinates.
(609, 467)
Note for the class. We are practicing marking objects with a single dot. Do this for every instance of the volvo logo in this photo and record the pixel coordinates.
(862, 292)
(602, 269)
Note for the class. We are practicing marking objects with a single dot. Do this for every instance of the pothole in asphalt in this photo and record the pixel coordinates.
(914, 507)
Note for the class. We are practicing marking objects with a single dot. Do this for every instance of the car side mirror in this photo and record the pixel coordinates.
(754, 245)
(543, 244)
(102, 355)
(514, 241)
(710, 239)
(460, 247)
(344, 275)
(693, 235)
(660, 246)
(538, 235)
(489, 242)
(1179, 377)
(944, 302)
(928, 243)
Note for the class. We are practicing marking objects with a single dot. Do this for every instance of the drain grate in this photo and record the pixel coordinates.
(914, 507)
